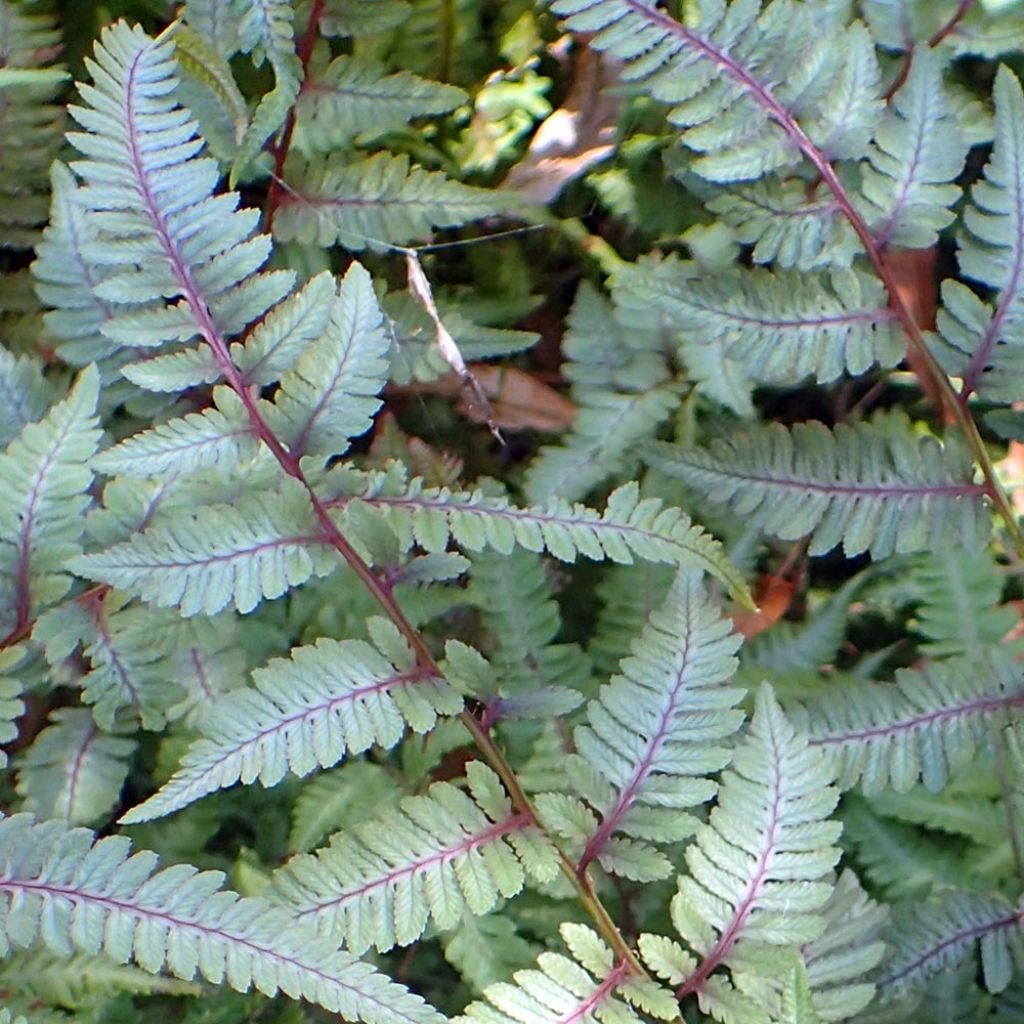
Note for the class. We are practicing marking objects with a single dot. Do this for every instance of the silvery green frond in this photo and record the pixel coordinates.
(216, 21)
(205, 559)
(12, 707)
(430, 860)
(332, 392)
(760, 871)
(922, 727)
(657, 731)
(629, 528)
(977, 342)
(358, 18)
(177, 260)
(747, 86)
(781, 326)
(380, 199)
(871, 486)
(25, 394)
(73, 771)
(46, 477)
(356, 94)
(958, 594)
(65, 890)
(323, 702)
(938, 935)
(918, 151)
(588, 987)
(785, 227)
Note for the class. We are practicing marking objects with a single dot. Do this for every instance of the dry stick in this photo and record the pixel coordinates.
(799, 137)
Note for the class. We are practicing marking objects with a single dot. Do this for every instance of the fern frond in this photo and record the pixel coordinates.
(759, 869)
(629, 527)
(183, 261)
(378, 199)
(749, 89)
(958, 609)
(331, 394)
(309, 710)
(345, 796)
(588, 988)
(873, 487)
(923, 727)
(785, 227)
(976, 342)
(203, 560)
(782, 326)
(65, 278)
(216, 21)
(30, 122)
(73, 771)
(429, 861)
(353, 95)
(12, 707)
(60, 888)
(530, 675)
(42, 503)
(484, 950)
(265, 31)
(918, 151)
(219, 436)
(25, 394)
(654, 734)
(937, 936)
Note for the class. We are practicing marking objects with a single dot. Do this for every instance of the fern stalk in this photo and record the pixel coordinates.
(951, 401)
(937, 37)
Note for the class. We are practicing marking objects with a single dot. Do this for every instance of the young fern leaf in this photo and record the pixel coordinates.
(918, 151)
(759, 869)
(353, 95)
(202, 560)
(428, 861)
(630, 527)
(937, 936)
(325, 701)
(46, 478)
(60, 887)
(976, 342)
(182, 262)
(783, 326)
(873, 487)
(73, 771)
(331, 394)
(652, 737)
(748, 88)
(380, 199)
(589, 987)
(923, 728)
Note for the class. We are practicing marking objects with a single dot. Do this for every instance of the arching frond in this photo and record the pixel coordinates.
(46, 476)
(782, 326)
(589, 987)
(979, 343)
(428, 861)
(73, 771)
(183, 261)
(652, 737)
(61, 888)
(354, 94)
(922, 727)
(759, 870)
(309, 710)
(918, 151)
(377, 199)
(629, 527)
(868, 486)
(938, 935)
(203, 560)
(746, 87)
